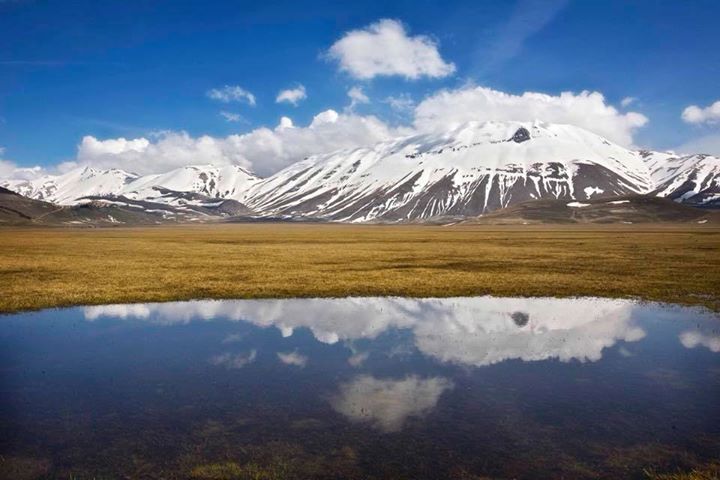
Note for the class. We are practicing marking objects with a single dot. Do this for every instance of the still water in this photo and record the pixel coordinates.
(463, 388)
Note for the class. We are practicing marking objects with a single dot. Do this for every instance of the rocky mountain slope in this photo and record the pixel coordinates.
(631, 209)
(185, 207)
(17, 210)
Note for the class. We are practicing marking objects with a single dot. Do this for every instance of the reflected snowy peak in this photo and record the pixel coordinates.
(474, 331)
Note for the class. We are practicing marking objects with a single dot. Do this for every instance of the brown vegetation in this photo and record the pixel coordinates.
(45, 267)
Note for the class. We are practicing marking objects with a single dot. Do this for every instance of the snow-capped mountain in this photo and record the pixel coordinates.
(225, 182)
(67, 188)
(473, 169)
(691, 179)
(468, 171)
(229, 181)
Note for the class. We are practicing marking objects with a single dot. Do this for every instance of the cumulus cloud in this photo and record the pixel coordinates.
(167, 151)
(270, 150)
(384, 48)
(293, 358)
(292, 95)
(231, 93)
(285, 122)
(590, 110)
(387, 404)
(697, 115)
(263, 150)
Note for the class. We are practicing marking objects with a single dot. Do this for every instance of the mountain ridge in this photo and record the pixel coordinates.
(468, 171)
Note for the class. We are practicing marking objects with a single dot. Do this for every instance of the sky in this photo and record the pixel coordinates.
(150, 86)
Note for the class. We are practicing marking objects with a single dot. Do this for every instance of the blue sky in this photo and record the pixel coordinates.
(132, 69)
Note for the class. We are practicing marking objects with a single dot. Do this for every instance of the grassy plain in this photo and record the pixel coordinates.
(53, 267)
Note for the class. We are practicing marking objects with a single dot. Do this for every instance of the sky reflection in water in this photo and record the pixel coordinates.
(492, 386)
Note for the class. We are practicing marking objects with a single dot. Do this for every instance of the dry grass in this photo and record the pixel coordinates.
(61, 267)
(708, 472)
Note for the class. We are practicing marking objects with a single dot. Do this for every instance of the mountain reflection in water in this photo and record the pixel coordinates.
(361, 388)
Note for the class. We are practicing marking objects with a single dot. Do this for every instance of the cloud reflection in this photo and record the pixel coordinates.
(293, 358)
(468, 331)
(692, 339)
(387, 404)
(234, 361)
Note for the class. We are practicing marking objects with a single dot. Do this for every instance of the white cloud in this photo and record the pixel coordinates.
(231, 117)
(266, 150)
(234, 361)
(262, 150)
(400, 103)
(169, 150)
(285, 122)
(387, 404)
(357, 97)
(589, 110)
(625, 102)
(9, 169)
(114, 146)
(384, 48)
(697, 115)
(232, 93)
(292, 95)
(293, 358)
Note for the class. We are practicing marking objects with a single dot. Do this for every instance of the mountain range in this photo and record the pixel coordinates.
(468, 171)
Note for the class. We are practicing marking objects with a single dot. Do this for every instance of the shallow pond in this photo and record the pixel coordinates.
(462, 388)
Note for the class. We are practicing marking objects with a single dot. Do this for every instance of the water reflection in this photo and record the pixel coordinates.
(386, 404)
(293, 358)
(361, 388)
(230, 360)
(470, 331)
(692, 339)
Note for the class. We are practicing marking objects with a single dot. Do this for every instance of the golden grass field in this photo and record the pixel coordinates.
(52, 267)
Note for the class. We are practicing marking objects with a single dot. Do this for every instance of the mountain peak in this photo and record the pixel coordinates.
(521, 135)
